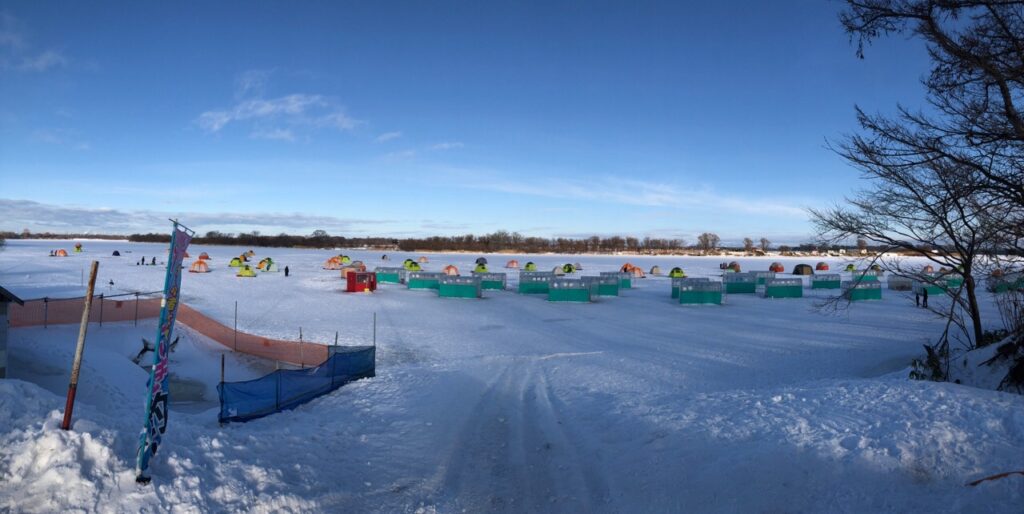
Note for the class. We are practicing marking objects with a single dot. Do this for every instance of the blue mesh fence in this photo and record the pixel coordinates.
(287, 389)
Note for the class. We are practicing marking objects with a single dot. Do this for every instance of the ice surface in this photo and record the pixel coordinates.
(511, 403)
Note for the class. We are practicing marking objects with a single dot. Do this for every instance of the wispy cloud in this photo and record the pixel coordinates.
(61, 137)
(447, 145)
(252, 83)
(625, 191)
(42, 62)
(388, 136)
(279, 134)
(296, 110)
(19, 214)
(17, 54)
(404, 155)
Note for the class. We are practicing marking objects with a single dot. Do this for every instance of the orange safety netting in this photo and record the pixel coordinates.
(59, 312)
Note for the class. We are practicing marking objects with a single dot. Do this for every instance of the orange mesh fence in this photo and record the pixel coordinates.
(66, 311)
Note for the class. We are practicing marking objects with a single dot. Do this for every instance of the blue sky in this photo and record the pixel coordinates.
(417, 118)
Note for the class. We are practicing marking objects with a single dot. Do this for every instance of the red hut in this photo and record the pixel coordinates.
(361, 282)
(777, 267)
(821, 266)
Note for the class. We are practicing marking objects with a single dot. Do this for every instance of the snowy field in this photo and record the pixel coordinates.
(510, 403)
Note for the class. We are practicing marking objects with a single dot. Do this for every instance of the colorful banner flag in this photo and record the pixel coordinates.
(159, 378)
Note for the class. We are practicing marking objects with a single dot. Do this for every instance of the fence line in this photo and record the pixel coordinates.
(49, 311)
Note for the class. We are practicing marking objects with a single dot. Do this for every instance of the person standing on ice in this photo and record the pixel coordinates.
(154, 261)
(286, 271)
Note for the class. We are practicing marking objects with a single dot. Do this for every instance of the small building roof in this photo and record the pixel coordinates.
(8, 296)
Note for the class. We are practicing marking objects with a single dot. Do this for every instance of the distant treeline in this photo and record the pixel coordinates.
(500, 241)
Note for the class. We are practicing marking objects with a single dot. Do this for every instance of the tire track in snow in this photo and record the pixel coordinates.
(515, 451)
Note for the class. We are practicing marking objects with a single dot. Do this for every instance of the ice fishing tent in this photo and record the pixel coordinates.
(481, 260)
(857, 291)
(246, 271)
(602, 286)
(1003, 282)
(634, 271)
(578, 266)
(803, 269)
(876, 267)
(777, 267)
(693, 292)
(568, 268)
(821, 266)
(334, 263)
(558, 271)
(266, 261)
(450, 270)
(116, 254)
(535, 282)
(784, 288)
(530, 267)
(243, 258)
(735, 266)
(569, 290)
(236, 262)
(204, 256)
(739, 283)
(411, 265)
(826, 281)
(512, 264)
(391, 275)
(896, 283)
(851, 267)
(676, 282)
(360, 281)
(676, 272)
(344, 259)
(928, 269)
(345, 270)
(250, 253)
(480, 268)
(272, 267)
(60, 253)
(423, 280)
(423, 260)
(496, 281)
(459, 287)
(199, 267)
(625, 279)
(78, 247)
(655, 270)
(763, 276)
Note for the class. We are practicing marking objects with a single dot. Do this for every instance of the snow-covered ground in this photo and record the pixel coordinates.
(510, 403)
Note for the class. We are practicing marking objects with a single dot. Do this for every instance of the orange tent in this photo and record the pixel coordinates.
(634, 270)
(199, 266)
(351, 268)
(333, 263)
(423, 260)
(512, 264)
(777, 267)
(821, 266)
(450, 270)
(204, 256)
(60, 253)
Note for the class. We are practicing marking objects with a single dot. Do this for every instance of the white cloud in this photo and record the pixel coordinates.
(42, 62)
(447, 146)
(252, 83)
(279, 134)
(18, 214)
(388, 136)
(626, 191)
(296, 110)
(17, 54)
